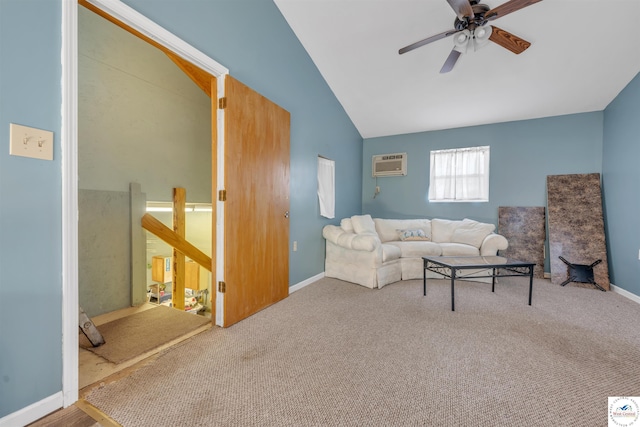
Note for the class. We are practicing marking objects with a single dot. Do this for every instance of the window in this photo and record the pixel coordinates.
(459, 175)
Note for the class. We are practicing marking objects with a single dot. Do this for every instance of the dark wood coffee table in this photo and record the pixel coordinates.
(496, 266)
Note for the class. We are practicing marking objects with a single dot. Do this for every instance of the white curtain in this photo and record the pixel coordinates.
(442, 175)
(459, 175)
(326, 187)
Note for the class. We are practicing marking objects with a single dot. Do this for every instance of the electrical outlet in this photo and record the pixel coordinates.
(295, 245)
(30, 142)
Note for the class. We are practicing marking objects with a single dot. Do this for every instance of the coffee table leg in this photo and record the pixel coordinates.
(424, 277)
(453, 278)
(530, 283)
(493, 281)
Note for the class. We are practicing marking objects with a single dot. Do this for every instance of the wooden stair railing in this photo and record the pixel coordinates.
(178, 258)
(153, 225)
(180, 244)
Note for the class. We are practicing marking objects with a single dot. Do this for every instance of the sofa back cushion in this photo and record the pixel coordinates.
(442, 230)
(389, 230)
(471, 232)
(346, 225)
(363, 224)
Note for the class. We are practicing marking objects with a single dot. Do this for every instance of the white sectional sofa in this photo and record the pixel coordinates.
(375, 252)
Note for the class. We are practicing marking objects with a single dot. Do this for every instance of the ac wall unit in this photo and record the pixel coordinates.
(389, 165)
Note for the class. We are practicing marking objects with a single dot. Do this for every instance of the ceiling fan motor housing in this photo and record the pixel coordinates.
(479, 10)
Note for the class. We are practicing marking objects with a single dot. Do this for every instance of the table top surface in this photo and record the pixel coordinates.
(477, 261)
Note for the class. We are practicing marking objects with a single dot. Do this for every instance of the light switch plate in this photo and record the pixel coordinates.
(30, 142)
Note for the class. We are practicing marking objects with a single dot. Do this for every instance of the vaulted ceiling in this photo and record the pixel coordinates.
(582, 54)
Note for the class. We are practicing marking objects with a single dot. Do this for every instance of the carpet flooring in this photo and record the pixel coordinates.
(339, 354)
(131, 336)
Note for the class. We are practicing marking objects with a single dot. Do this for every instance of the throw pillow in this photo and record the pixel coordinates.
(471, 232)
(346, 225)
(417, 234)
(363, 224)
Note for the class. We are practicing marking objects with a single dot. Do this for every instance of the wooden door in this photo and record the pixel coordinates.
(256, 210)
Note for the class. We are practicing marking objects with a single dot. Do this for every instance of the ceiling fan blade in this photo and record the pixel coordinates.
(507, 8)
(426, 41)
(450, 62)
(462, 8)
(508, 41)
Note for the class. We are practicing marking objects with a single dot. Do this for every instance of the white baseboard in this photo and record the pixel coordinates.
(613, 288)
(624, 293)
(33, 412)
(306, 282)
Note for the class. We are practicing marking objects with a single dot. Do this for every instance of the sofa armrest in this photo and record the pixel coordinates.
(492, 244)
(358, 242)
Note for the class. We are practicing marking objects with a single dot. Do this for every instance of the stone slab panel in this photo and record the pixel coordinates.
(576, 226)
(524, 228)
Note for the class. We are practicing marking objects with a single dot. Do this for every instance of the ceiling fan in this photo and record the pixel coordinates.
(472, 32)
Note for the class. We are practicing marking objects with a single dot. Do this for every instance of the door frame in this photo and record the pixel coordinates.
(69, 160)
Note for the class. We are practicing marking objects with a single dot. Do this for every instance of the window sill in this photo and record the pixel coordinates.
(458, 201)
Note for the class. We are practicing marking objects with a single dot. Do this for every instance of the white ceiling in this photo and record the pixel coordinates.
(582, 54)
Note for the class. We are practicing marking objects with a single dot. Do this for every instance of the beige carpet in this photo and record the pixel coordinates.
(141, 332)
(338, 354)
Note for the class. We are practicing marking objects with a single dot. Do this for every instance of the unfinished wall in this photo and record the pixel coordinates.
(104, 253)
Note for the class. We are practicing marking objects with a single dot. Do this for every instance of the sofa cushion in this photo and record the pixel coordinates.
(365, 242)
(471, 232)
(416, 234)
(442, 230)
(390, 252)
(332, 233)
(346, 225)
(388, 228)
(413, 249)
(363, 224)
(458, 249)
(360, 242)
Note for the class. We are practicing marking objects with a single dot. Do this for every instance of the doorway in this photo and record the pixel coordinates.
(200, 69)
(142, 120)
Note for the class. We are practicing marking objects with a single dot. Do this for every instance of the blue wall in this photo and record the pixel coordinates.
(253, 40)
(620, 180)
(523, 153)
(30, 206)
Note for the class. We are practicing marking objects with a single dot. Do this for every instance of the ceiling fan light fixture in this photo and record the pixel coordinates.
(461, 40)
(481, 36)
(482, 33)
